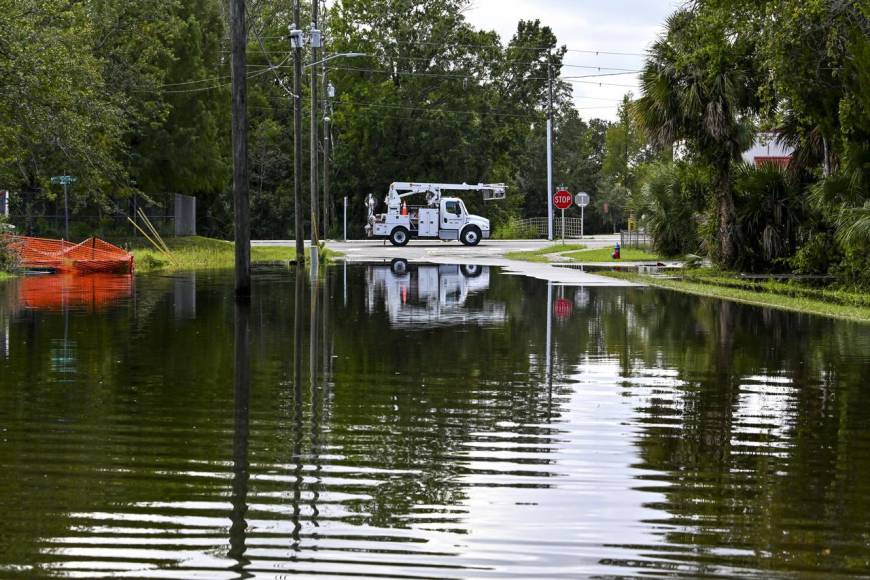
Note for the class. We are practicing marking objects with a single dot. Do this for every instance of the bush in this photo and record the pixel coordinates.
(673, 196)
(770, 213)
(853, 271)
(816, 255)
(513, 229)
(8, 258)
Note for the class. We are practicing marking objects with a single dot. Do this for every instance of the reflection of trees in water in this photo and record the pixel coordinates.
(784, 480)
(393, 418)
(407, 405)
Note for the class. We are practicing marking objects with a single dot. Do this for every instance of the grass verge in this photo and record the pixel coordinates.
(198, 253)
(783, 295)
(541, 254)
(604, 255)
(579, 253)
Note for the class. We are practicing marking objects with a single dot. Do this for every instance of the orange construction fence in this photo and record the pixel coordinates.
(91, 256)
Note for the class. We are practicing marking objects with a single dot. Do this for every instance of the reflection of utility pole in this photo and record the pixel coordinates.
(549, 356)
(315, 396)
(297, 408)
(241, 399)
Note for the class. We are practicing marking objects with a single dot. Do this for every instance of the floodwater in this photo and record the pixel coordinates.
(445, 422)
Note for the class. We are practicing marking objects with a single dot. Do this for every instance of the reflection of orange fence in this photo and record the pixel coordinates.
(92, 255)
(61, 291)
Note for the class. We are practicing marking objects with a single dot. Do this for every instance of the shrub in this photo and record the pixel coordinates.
(816, 255)
(770, 211)
(674, 195)
(8, 258)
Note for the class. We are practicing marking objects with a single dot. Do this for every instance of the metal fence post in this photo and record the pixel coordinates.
(345, 218)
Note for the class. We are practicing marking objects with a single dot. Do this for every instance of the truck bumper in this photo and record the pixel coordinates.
(485, 234)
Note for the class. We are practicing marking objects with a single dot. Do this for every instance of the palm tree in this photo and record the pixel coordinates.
(698, 89)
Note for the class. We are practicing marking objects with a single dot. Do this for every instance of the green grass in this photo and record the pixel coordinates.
(540, 255)
(198, 253)
(579, 253)
(5, 276)
(604, 255)
(784, 295)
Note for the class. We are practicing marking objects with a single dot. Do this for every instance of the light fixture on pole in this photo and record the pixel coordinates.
(315, 40)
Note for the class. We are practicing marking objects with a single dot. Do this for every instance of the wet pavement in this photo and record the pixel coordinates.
(488, 253)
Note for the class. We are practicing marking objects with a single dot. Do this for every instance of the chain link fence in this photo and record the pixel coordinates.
(634, 239)
(48, 220)
(573, 226)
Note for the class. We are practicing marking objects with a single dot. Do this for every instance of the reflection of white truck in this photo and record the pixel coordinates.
(428, 296)
(443, 218)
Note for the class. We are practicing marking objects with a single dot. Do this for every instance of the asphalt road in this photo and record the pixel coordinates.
(487, 253)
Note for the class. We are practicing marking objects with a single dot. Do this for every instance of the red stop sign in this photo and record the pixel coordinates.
(562, 199)
(563, 308)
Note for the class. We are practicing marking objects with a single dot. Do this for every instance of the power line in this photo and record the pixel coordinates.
(472, 77)
(533, 48)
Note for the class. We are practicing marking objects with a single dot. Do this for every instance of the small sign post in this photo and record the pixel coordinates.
(563, 201)
(65, 180)
(582, 200)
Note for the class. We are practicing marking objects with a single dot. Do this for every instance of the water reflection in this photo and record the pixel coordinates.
(592, 431)
(184, 293)
(70, 291)
(428, 295)
(241, 432)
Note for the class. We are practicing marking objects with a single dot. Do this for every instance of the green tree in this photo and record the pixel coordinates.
(56, 111)
(699, 88)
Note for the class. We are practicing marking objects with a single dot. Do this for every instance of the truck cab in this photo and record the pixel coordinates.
(443, 218)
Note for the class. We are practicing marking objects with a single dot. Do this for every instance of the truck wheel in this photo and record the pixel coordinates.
(399, 266)
(470, 236)
(399, 236)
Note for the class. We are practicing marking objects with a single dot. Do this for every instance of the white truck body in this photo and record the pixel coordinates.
(429, 296)
(444, 218)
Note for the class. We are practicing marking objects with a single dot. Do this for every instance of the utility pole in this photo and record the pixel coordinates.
(239, 33)
(315, 40)
(324, 230)
(550, 147)
(296, 43)
(327, 143)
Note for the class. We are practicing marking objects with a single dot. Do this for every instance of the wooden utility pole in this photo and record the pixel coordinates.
(239, 35)
(315, 202)
(296, 47)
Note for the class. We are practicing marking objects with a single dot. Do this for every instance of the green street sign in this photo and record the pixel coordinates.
(63, 179)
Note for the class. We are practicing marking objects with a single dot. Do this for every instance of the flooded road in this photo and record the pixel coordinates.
(442, 421)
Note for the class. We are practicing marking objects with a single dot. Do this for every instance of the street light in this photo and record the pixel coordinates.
(315, 41)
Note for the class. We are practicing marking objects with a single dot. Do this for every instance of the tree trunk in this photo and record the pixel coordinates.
(726, 251)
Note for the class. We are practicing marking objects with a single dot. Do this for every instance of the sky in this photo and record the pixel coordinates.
(625, 26)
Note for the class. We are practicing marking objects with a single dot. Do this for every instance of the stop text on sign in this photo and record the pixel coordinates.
(562, 199)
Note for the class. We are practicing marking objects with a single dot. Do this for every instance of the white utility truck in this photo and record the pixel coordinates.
(442, 218)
